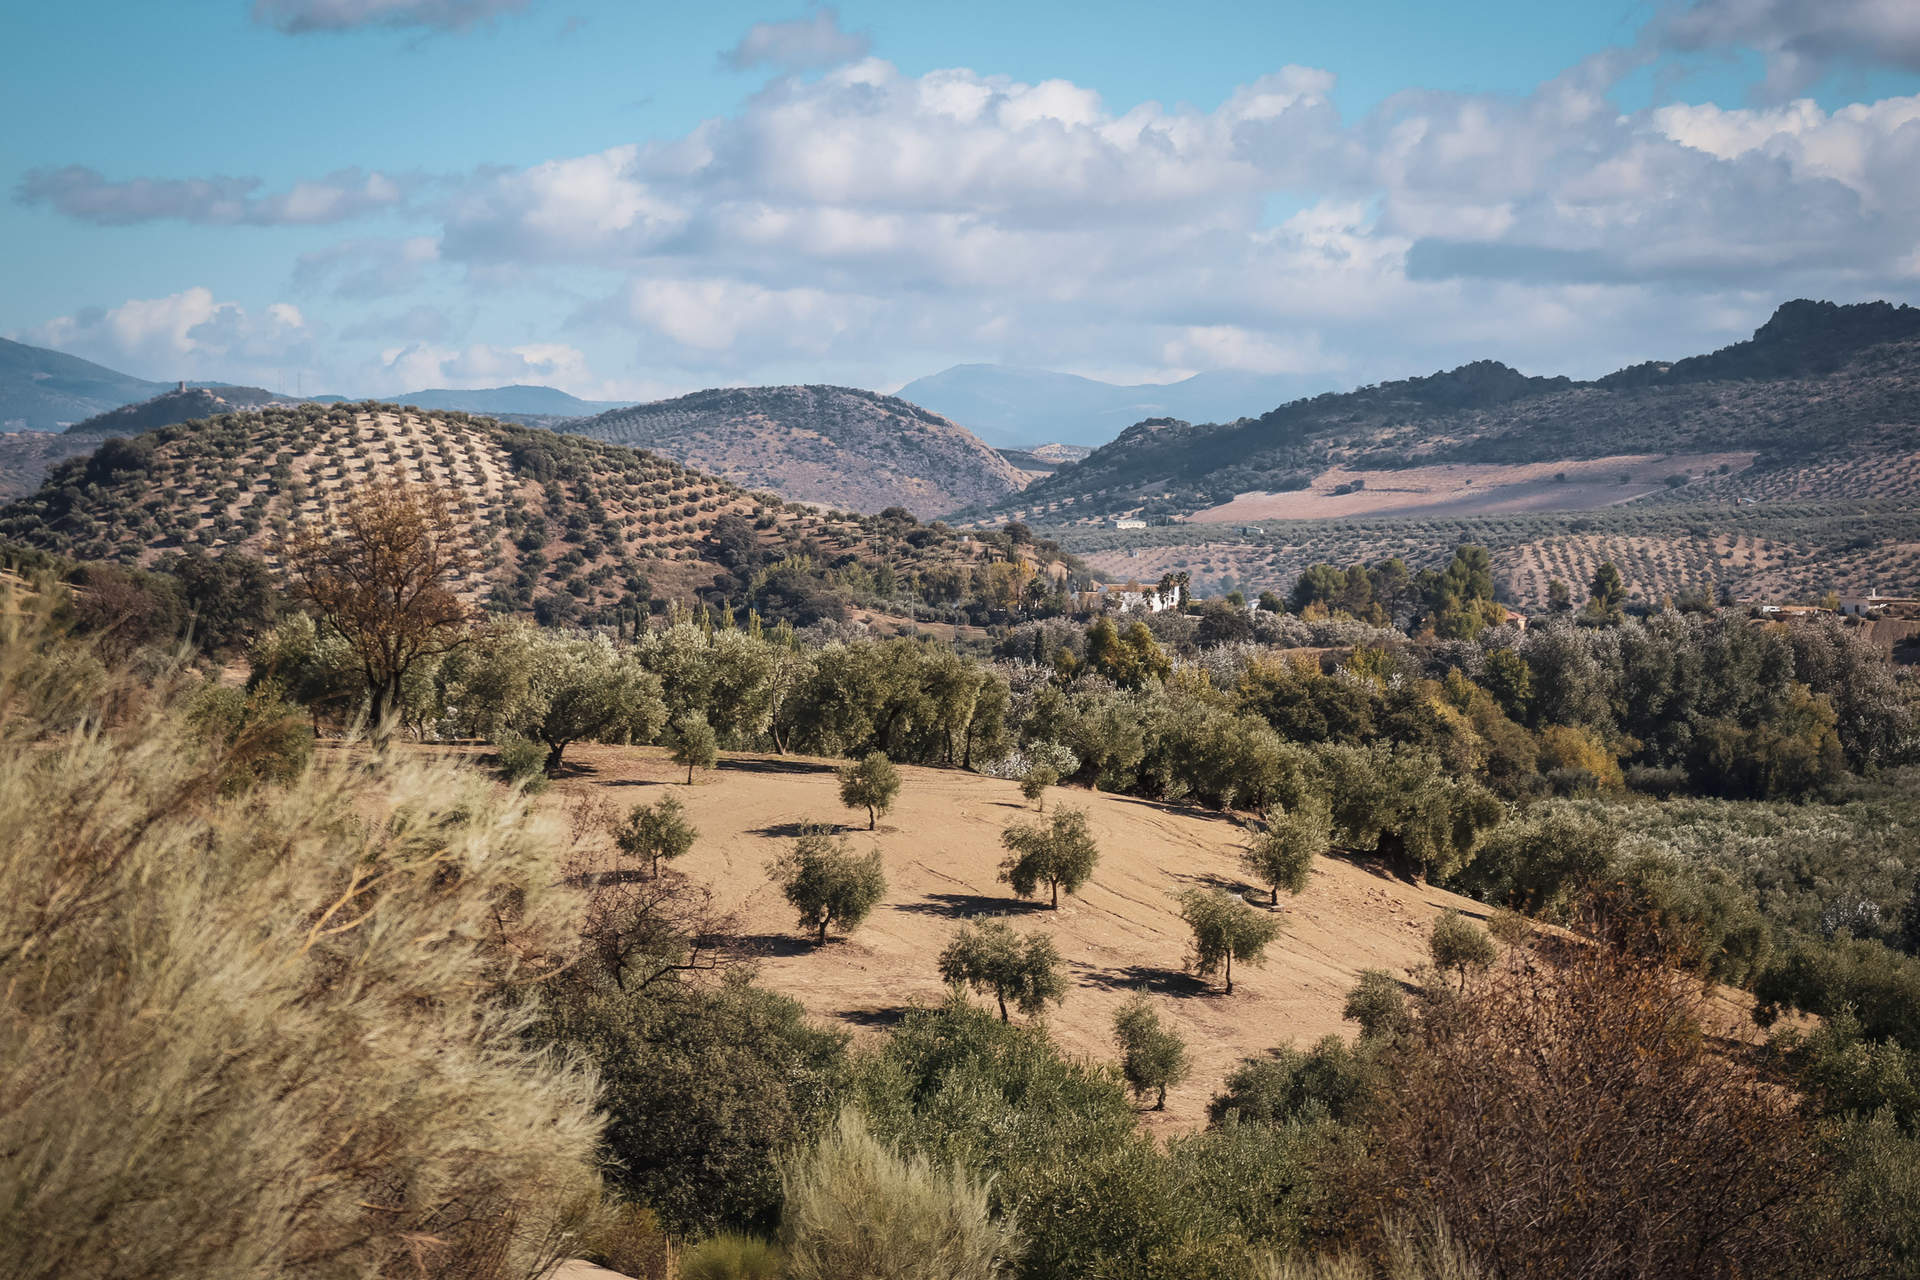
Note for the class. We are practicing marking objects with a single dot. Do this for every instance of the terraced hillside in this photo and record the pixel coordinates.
(1772, 551)
(836, 446)
(560, 524)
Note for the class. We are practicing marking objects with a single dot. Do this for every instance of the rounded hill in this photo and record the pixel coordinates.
(837, 446)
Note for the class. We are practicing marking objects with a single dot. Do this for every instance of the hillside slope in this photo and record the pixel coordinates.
(174, 406)
(837, 446)
(941, 849)
(42, 390)
(1816, 381)
(563, 525)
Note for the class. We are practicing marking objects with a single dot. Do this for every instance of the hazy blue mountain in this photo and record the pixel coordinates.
(1013, 407)
(42, 390)
(545, 401)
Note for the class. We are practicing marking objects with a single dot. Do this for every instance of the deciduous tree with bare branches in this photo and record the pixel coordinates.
(383, 575)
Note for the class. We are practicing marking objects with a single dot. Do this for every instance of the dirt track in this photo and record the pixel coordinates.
(941, 847)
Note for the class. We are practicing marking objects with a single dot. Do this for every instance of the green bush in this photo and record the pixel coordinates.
(731, 1256)
(521, 760)
(855, 1206)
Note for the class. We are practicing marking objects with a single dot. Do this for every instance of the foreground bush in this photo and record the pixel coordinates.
(855, 1207)
(249, 1033)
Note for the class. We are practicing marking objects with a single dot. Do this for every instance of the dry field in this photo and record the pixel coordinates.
(1467, 489)
(941, 846)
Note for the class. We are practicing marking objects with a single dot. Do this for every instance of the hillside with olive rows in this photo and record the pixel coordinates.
(567, 527)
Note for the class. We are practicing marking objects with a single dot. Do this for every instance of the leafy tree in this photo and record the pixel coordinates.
(1332, 1080)
(1282, 849)
(1378, 1004)
(656, 832)
(854, 1205)
(870, 783)
(1459, 944)
(691, 741)
(1606, 594)
(992, 957)
(1403, 803)
(1058, 853)
(828, 884)
(1559, 597)
(557, 687)
(382, 574)
(1225, 929)
(1152, 1059)
(1508, 678)
(1034, 785)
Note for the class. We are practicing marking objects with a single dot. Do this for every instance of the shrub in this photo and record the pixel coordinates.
(855, 1206)
(1569, 1115)
(1033, 786)
(732, 1256)
(692, 743)
(1459, 944)
(1332, 1080)
(190, 1083)
(1378, 1004)
(521, 760)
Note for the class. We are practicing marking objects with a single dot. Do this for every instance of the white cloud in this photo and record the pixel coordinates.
(375, 268)
(87, 196)
(188, 334)
(424, 366)
(298, 17)
(1800, 38)
(804, 44)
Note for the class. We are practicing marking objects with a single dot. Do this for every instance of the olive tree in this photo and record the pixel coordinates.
(656, 832)
(691, 741)
(1034, 785)
(556, 687)
(993, 958)
(1058, 853)
(869, 783)
(1152, 1059)
(1225, 929)
(828, 884)
(1459, 944)
(1282, 849)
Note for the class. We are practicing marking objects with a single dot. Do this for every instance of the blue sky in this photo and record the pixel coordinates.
(629, 200)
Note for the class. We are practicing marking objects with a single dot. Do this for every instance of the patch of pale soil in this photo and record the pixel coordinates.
(1460, 489)
(941, 847)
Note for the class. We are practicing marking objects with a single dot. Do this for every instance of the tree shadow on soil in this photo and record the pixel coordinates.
(959, 906)
(1151, 978)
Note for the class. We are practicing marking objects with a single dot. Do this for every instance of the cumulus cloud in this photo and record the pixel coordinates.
(423, 366)
(993, 218)
(299, 17)
(189, 334)
(88, 196)
(804, 44)
(1800, 38)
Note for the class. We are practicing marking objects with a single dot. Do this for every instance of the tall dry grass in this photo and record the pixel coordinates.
(268, 1032)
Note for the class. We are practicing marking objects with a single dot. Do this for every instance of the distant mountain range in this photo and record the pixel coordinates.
(837, 446)
(42, 390)
(546, 402)
(1817, 379)
(1019, 408)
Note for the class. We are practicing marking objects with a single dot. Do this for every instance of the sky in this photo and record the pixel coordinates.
(629, 200)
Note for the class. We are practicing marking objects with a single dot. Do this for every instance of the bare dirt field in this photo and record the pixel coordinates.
(941, 847)
(1465, 489)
